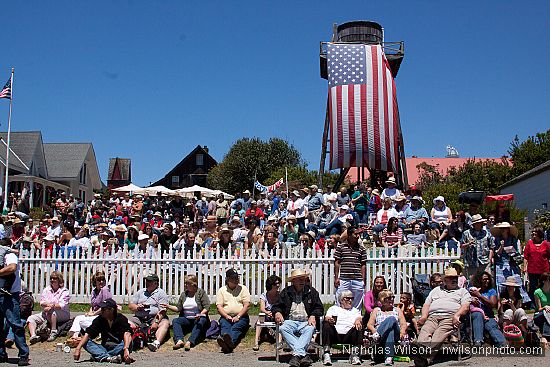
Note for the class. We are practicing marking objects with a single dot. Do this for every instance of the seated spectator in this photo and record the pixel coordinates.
(148, 312)
(440, 212)
(407, 307)
(459, 267)
(115, 332)
(370, 301)
(343, 325)
(298, 309)
(542, 306)
(436, 280)
(54, 302)
(416, 239)
(324, 218)
(383, 216)
(391, 191)
(232, 301)
(485, 297)
(452, 234)
(392, 235)
(441, 315)
(401, 207)
(337, 225)
(99, 294)
(387, 325)
(193, 306)
(416, 213)
(267, 299)
(510, 306)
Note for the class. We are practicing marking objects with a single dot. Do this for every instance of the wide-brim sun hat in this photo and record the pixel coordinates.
(511, 282)
(477, 218)
(418, 198)
(298, 273)
(391, 180)
(500, 227)
(450, 272)
(439, 198)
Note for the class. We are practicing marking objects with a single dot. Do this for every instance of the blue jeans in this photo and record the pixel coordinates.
(540, 320)
(357, 287)
(389, 335)
(100, 352)
(183, 325)
(9, 310)
(479, 325)
(378, 228)
(334, 227)
(298, 335)
(8, 331)
(235, 329)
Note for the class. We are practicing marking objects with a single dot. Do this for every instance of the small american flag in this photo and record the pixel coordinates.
(6, 91)
(364, 118)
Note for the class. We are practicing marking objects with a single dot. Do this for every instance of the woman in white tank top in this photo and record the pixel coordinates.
(440, 212)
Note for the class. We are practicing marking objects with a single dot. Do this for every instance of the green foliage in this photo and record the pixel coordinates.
(300, 176)
(530, 153)
(37, 213)
(542, 219)
(250, 157)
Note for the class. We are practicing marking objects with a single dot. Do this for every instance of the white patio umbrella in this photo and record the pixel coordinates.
(190, 191)
(154, 190)
(225, 195)
(128, 188)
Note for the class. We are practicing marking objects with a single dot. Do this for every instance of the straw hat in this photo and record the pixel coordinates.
(499, 227)
(158, 214)
(225, 228)
(297, 273)
(458, 263)
(511, 281)
(450, 272)
(142, 237)
(305, 189)
(291, 217)
(391, 180)
(295, 192)
(119, 228)
(401, 197)
(477, 218)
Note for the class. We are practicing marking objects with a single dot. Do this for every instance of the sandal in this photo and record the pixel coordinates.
(256, 347)
(178, 345)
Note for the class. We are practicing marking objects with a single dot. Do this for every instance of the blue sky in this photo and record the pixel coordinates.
(149, 80)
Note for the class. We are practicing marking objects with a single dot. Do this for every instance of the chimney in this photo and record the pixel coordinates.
(205, 148)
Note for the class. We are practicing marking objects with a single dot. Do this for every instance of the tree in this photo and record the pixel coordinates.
(300, 176)
(530, 153)
(252, 157)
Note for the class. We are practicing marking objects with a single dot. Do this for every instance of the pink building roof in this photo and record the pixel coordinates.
(442, 165)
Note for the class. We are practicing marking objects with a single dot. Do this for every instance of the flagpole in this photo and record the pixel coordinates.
(254, 186)
(286, 180)
(5, 211)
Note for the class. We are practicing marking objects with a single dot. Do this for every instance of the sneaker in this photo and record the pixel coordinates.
(355, 360)
(294, 361)
(154, 346)
(53, 336)
(306, 361)
(326, 359)
(23, 361)
(256, 348)
(115, 359)
(179, 344)
(187, 346)
(34, 339)
(388, 361)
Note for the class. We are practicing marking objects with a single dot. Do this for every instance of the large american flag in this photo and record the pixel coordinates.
(6, 91)
(364, 118)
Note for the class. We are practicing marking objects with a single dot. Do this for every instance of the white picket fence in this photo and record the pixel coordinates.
(126, 270)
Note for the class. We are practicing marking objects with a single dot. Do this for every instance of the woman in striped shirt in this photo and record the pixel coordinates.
(392, 235)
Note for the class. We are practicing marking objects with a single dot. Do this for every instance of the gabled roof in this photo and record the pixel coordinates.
(198, 149)
(532, 172)
(65, 159)
(124, 166)
(24, 144)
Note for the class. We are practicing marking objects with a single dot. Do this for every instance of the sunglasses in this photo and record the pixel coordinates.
(348, 298)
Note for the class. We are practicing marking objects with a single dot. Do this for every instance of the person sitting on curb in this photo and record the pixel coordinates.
(298, 309)
(441, 315)
(146, 305)
(116, 336)
(232, 301)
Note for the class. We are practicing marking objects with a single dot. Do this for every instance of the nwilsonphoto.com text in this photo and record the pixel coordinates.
(463, 349)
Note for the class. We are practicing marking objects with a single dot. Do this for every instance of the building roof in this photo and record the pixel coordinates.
(24, 144)
(124, 165)
(185, 161)
(532, 172)
(441, 164)
(65, 159)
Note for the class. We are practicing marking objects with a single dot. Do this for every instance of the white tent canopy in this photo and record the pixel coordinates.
(225, 195)
(128, 188)
(154, 190)
(190, 191)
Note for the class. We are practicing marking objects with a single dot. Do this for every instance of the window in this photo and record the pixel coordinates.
(199, 159)
(82, 195)
(175, 180)
(82, 175)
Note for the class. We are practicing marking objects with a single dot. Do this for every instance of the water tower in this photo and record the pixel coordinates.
(359, 36)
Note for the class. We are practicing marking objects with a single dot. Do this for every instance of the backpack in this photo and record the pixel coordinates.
(214, 330)
(139, 339)
(26, 305)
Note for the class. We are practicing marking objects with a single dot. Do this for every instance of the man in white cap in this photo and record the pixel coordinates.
(314, 200)
(55, 229)
(441, 314)
(298, 310)
(391, 190)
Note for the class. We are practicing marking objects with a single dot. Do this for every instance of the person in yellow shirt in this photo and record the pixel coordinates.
(232, 302)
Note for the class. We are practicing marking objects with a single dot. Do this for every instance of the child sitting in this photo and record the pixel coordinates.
(474, 308)
(407, 307)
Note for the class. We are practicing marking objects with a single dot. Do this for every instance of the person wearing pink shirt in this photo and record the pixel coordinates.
(54, 302)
